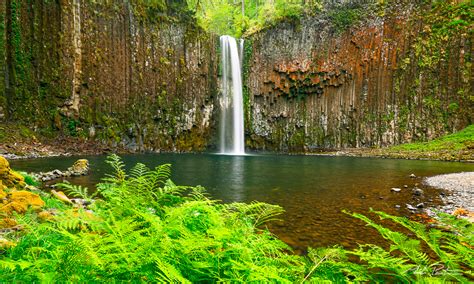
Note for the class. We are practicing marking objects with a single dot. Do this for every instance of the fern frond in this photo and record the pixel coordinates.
(167, 273)
(259, 212)
(198, 193)
(75, 190)
(159, 176)
(139, 170)
(119, 169)
(432, 238)
(11, 265)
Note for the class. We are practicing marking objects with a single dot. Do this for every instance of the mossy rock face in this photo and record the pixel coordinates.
(3, 194)
(81, 166)
(21, 201)
(10, 178)
(13, 199)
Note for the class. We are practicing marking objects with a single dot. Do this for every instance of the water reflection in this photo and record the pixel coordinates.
(312, 190)
(237, 178)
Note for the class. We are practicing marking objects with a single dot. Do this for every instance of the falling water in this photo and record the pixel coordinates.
(232, 106)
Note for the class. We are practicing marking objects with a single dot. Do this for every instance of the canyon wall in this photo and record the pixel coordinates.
(138, 75)
(123, 72)
(402, 73)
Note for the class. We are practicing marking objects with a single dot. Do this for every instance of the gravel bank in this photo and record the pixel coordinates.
(460, 186)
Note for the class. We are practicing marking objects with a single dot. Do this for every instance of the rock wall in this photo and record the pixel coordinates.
(123, 72)
(136, 74)
(402, 73)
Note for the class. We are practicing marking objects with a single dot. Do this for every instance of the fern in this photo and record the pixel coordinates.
(452, 250)
(139, 170)
(145, 228)
(76, 190)
(258, 212)
(118, 166)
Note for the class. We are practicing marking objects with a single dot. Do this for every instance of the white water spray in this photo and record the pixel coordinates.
(232, 106)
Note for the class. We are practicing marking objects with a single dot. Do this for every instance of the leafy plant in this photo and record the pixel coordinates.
(29, 180)
(144, 228)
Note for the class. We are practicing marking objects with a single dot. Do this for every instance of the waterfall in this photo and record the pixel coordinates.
(231, 101)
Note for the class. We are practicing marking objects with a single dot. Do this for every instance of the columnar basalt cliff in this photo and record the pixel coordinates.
(384, 80)
(117, 71)
(135, 74)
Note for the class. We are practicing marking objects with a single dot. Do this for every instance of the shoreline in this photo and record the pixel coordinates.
(76, 147)
(386, 153)
(460, 189)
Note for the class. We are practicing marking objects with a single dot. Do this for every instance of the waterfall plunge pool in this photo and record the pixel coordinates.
(312, 189)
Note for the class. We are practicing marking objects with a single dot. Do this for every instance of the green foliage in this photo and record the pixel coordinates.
(72, 127)
(345, 17)
(452, 244)
(29, 180)
(147, 229)
(76, 190)
(406, 260)
(236, 18)
(461, 140)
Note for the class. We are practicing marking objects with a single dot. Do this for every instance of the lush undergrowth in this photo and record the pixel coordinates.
(462, 140)
(144, 228)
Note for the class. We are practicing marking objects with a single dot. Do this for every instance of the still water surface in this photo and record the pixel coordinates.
(312, 189)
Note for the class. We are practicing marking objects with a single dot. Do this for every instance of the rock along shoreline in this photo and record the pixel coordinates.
(460, 187)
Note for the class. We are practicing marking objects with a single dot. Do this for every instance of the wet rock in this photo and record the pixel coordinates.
(396, 189)
(410, 207)
(80, 167)
(417, 191)
(61, 196)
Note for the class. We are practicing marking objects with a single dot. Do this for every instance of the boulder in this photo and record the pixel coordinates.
(80, 167)
(410, 207)
(9, 177)
(417, 191)
(20, 201)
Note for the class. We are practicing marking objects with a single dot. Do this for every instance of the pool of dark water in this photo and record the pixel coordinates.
(312, 189)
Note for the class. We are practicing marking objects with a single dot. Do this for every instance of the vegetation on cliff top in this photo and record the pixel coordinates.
(462, 140)
(147, 229)
(457, 146)
(245, 17)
